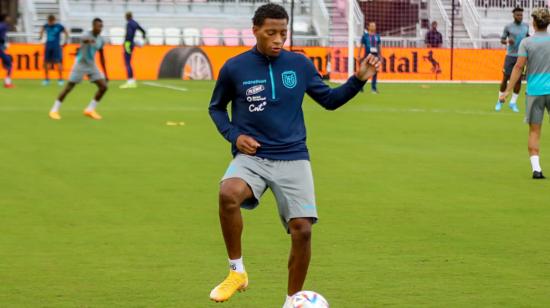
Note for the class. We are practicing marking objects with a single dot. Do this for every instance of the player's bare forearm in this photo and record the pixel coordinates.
(516, 75)
(102, 60)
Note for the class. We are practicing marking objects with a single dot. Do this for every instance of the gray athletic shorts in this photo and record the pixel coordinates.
(81, 69)
(509, 63)
(534, 112)
(290, 181)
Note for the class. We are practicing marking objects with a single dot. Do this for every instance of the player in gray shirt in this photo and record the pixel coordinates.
(85, 66)
(535, 52)
(512, 35)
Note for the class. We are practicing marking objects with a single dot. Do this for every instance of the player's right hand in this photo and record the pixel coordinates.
(511, 41)
(247, 145)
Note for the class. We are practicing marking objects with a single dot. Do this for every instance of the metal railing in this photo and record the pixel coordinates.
(303, 40)
(320, 19)
(438, 13)
(471, 20)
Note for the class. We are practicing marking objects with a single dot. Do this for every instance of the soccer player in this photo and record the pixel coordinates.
(131, 27)
(6, 59)
(535, 53)
(53, 53)
(512, 35)
(266, 86)
(85, 65)
(371, 43)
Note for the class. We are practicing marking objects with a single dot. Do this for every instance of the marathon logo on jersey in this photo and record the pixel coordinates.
(255, 90)
(289, 79)
(252, 82)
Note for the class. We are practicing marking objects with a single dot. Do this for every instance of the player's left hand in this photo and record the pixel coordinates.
(368, 67)
(504, 96)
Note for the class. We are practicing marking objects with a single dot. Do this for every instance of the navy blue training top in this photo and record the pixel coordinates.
(131, 27)
(3, 33)
(266, 95)
(53, 34)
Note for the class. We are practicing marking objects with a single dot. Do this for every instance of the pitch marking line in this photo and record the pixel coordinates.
(160, 85)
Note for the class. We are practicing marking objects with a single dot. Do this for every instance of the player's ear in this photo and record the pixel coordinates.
(255, 29)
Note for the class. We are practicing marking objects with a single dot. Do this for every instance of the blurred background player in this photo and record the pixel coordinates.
(53, 52)
(266, 86)
(131, 27)
(535, 52)
(6, 59)
(512, 35)
(434, 39)
(85, 65)
(371, 43)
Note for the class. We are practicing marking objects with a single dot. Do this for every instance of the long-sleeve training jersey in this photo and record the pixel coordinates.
(267, 95)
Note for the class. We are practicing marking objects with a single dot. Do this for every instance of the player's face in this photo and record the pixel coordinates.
(518, 17)
(271, 36)
(372, 27)
(51, 21)
(97, 28)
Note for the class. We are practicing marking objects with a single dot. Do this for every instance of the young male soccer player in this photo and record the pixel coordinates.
(535, 52)
(53, 53)
(85, 65)
(512, 35)
(371, 43)
(6, 59)
(131, 27)
(266, 86)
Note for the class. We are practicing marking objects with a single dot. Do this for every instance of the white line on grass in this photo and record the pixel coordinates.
(160, 85)
(308, 109)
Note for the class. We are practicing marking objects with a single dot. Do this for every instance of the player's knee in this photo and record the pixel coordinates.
(231, 196)
(300, 229)
(103, 88)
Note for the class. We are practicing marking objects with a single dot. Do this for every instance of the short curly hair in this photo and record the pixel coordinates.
(541, 17)
(270, 10)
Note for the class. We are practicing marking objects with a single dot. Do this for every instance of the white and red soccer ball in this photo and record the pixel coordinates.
(308, 299)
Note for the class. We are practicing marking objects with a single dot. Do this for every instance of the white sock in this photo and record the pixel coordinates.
(500, 94)
(535, 164)
(237, 265)
(92, 105)
(131, 80)
(7, 80)
(56, 106)
(514, 98)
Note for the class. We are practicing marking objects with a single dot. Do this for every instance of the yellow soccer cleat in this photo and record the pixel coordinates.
(233, 283)
(128, 85)
(92, 114)
(54, 115)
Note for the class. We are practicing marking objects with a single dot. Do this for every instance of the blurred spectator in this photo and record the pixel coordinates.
(434, 39)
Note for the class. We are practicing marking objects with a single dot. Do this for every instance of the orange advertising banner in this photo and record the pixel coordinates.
(158, 62)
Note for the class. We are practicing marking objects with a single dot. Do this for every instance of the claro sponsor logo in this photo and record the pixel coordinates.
(255, 90)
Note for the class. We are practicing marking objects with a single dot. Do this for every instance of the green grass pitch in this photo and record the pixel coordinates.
(424, 194)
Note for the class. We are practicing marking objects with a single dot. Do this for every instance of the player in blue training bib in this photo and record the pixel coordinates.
(6, 59)
(131, 28)
(53, 51)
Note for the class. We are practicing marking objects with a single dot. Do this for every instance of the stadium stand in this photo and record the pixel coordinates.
(402, 23)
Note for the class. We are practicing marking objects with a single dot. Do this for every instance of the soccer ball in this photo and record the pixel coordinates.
(308, 299)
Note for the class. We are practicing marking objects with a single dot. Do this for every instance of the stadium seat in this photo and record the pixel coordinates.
(191, 36)
(172, 36)
(116, 35)
(155, 36)
(248, 37)
(231, 37)
(210, 37)
(301, 27)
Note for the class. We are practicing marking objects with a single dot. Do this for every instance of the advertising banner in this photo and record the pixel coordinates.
(204, 62)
